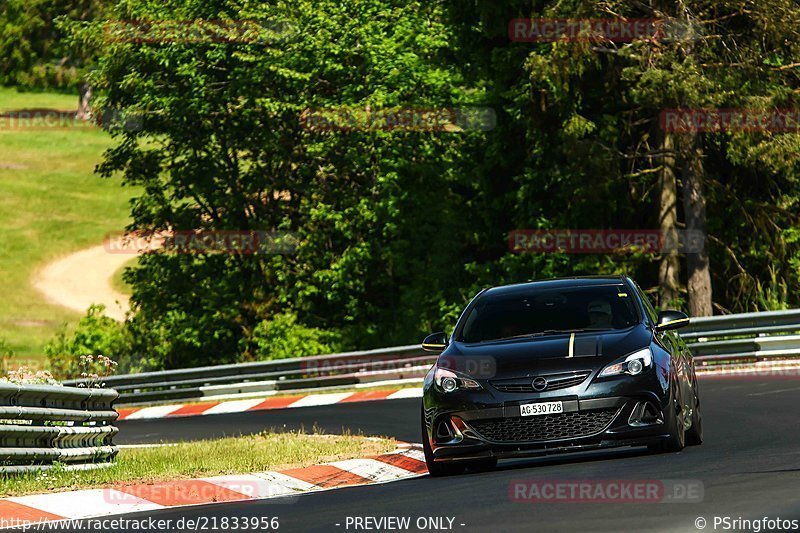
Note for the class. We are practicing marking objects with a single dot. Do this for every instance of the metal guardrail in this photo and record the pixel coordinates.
(747, 337)
(41, 425)
(744, 337)
(761, 323)
(283, 375)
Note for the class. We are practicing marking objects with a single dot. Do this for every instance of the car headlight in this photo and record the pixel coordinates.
(449, 381)
(632, 364)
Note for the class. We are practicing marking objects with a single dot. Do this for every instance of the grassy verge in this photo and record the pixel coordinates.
(256, 453)
(12, 99)
(118, 283)
(52, 204)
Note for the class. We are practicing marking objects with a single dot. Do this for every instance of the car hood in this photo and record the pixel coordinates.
(530, 357)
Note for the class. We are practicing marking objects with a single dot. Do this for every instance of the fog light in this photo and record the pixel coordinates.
(449, 384)
(634, 367)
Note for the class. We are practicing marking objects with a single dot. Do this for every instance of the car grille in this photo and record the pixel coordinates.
(544, 427)
(554, 382)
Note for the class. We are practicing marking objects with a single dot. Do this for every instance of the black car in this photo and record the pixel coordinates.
(557, 366)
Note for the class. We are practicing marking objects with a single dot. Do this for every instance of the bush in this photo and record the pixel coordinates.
(282, 337)
(199, 321)
(6, 353)
(95, 334)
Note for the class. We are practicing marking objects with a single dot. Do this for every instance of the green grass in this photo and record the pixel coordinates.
(51, 204)
(118, 283)
(11, 99)
(256, 453)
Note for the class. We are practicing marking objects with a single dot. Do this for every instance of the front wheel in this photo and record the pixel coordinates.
(677, 432)
(694, 436)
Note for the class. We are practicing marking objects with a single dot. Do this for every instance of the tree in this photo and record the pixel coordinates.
(594, 136)
(397, 228)
(669, 266)
(38, 53)
(224, 146)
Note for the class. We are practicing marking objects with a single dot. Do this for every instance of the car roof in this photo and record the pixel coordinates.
(557, 283)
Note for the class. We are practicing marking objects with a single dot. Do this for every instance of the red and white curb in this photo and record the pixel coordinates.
(261, 404)
(407, 461)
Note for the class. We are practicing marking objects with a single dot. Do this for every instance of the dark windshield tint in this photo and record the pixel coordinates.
(503, 316)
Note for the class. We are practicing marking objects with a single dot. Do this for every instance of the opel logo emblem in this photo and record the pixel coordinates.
(539, 384)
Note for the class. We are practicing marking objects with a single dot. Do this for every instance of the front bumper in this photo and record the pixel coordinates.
(481, 429)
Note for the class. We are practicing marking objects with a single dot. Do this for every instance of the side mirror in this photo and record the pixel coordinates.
(435, 342)
(668, 320)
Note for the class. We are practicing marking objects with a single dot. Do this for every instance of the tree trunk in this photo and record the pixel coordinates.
(694, 204)
(84, 102)
(669, 267)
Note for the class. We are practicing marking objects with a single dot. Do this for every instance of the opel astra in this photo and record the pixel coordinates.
(558, 366)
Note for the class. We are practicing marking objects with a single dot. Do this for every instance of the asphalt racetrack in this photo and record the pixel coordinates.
(393, 418)
(748, 468)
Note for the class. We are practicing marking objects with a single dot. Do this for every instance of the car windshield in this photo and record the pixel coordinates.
(541, 312)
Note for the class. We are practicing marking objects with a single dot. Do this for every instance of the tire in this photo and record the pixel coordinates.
(694, 436)
(677, 433)
(437, 469)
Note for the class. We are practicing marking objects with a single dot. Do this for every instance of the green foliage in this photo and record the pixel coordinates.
(37, 53)
(198, 321)
(6, 357)
(6, 351)
(397, 229)
(282, 337)
(368, 207)
(590, 145)
(94, 334)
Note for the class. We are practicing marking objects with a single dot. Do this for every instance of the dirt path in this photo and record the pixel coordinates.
(82, 279)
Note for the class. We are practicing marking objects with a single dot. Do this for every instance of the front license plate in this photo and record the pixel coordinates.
(541, 408)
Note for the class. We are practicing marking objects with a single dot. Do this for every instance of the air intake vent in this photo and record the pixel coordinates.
(544, 427)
